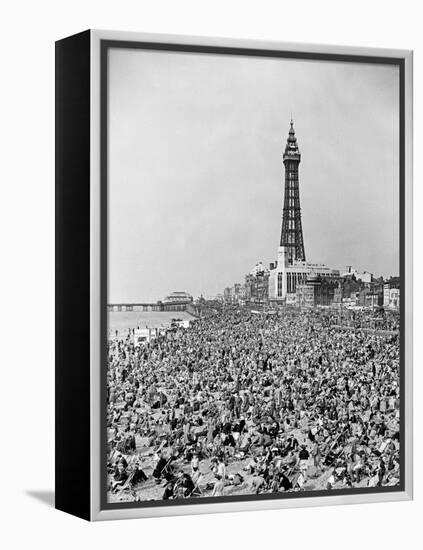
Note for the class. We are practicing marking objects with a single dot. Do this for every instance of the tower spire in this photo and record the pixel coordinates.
(292, 232)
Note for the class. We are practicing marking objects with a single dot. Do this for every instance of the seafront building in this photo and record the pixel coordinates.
(365, 276)
(391, 294)
(234, 294)
(257, 285)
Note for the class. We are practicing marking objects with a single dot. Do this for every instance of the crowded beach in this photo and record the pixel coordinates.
(243, 402)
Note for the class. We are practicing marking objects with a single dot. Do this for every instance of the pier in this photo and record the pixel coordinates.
(135, 307)
(157, 306)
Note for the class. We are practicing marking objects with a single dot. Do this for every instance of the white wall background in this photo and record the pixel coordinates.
(28, 32)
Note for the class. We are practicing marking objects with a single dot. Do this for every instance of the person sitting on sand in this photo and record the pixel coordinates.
(219, 487)
(120, 476)
(257, 484)
(138, 475)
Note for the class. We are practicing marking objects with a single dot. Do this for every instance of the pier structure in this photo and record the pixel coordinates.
(190, 308)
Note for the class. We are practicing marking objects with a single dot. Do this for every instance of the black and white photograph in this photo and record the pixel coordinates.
(211, 303)
(254, 314)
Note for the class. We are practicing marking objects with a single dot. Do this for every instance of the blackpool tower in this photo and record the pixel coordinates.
(292, 232)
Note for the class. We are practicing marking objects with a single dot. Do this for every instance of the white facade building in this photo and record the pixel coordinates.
(285, 277)
(391, 297)
(365, 276)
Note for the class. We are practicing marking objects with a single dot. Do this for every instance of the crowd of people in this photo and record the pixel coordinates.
(242, 402)
(367, 319)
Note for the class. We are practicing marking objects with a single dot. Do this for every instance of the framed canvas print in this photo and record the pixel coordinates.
(233, 275)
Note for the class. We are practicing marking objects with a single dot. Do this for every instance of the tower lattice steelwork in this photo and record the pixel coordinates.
(292, 232)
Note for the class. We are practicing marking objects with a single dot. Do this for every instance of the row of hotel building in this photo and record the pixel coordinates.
(311, 285)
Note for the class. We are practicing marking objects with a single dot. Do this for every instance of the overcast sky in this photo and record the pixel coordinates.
(196, 177)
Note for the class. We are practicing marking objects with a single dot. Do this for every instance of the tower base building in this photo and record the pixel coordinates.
(286, 276)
